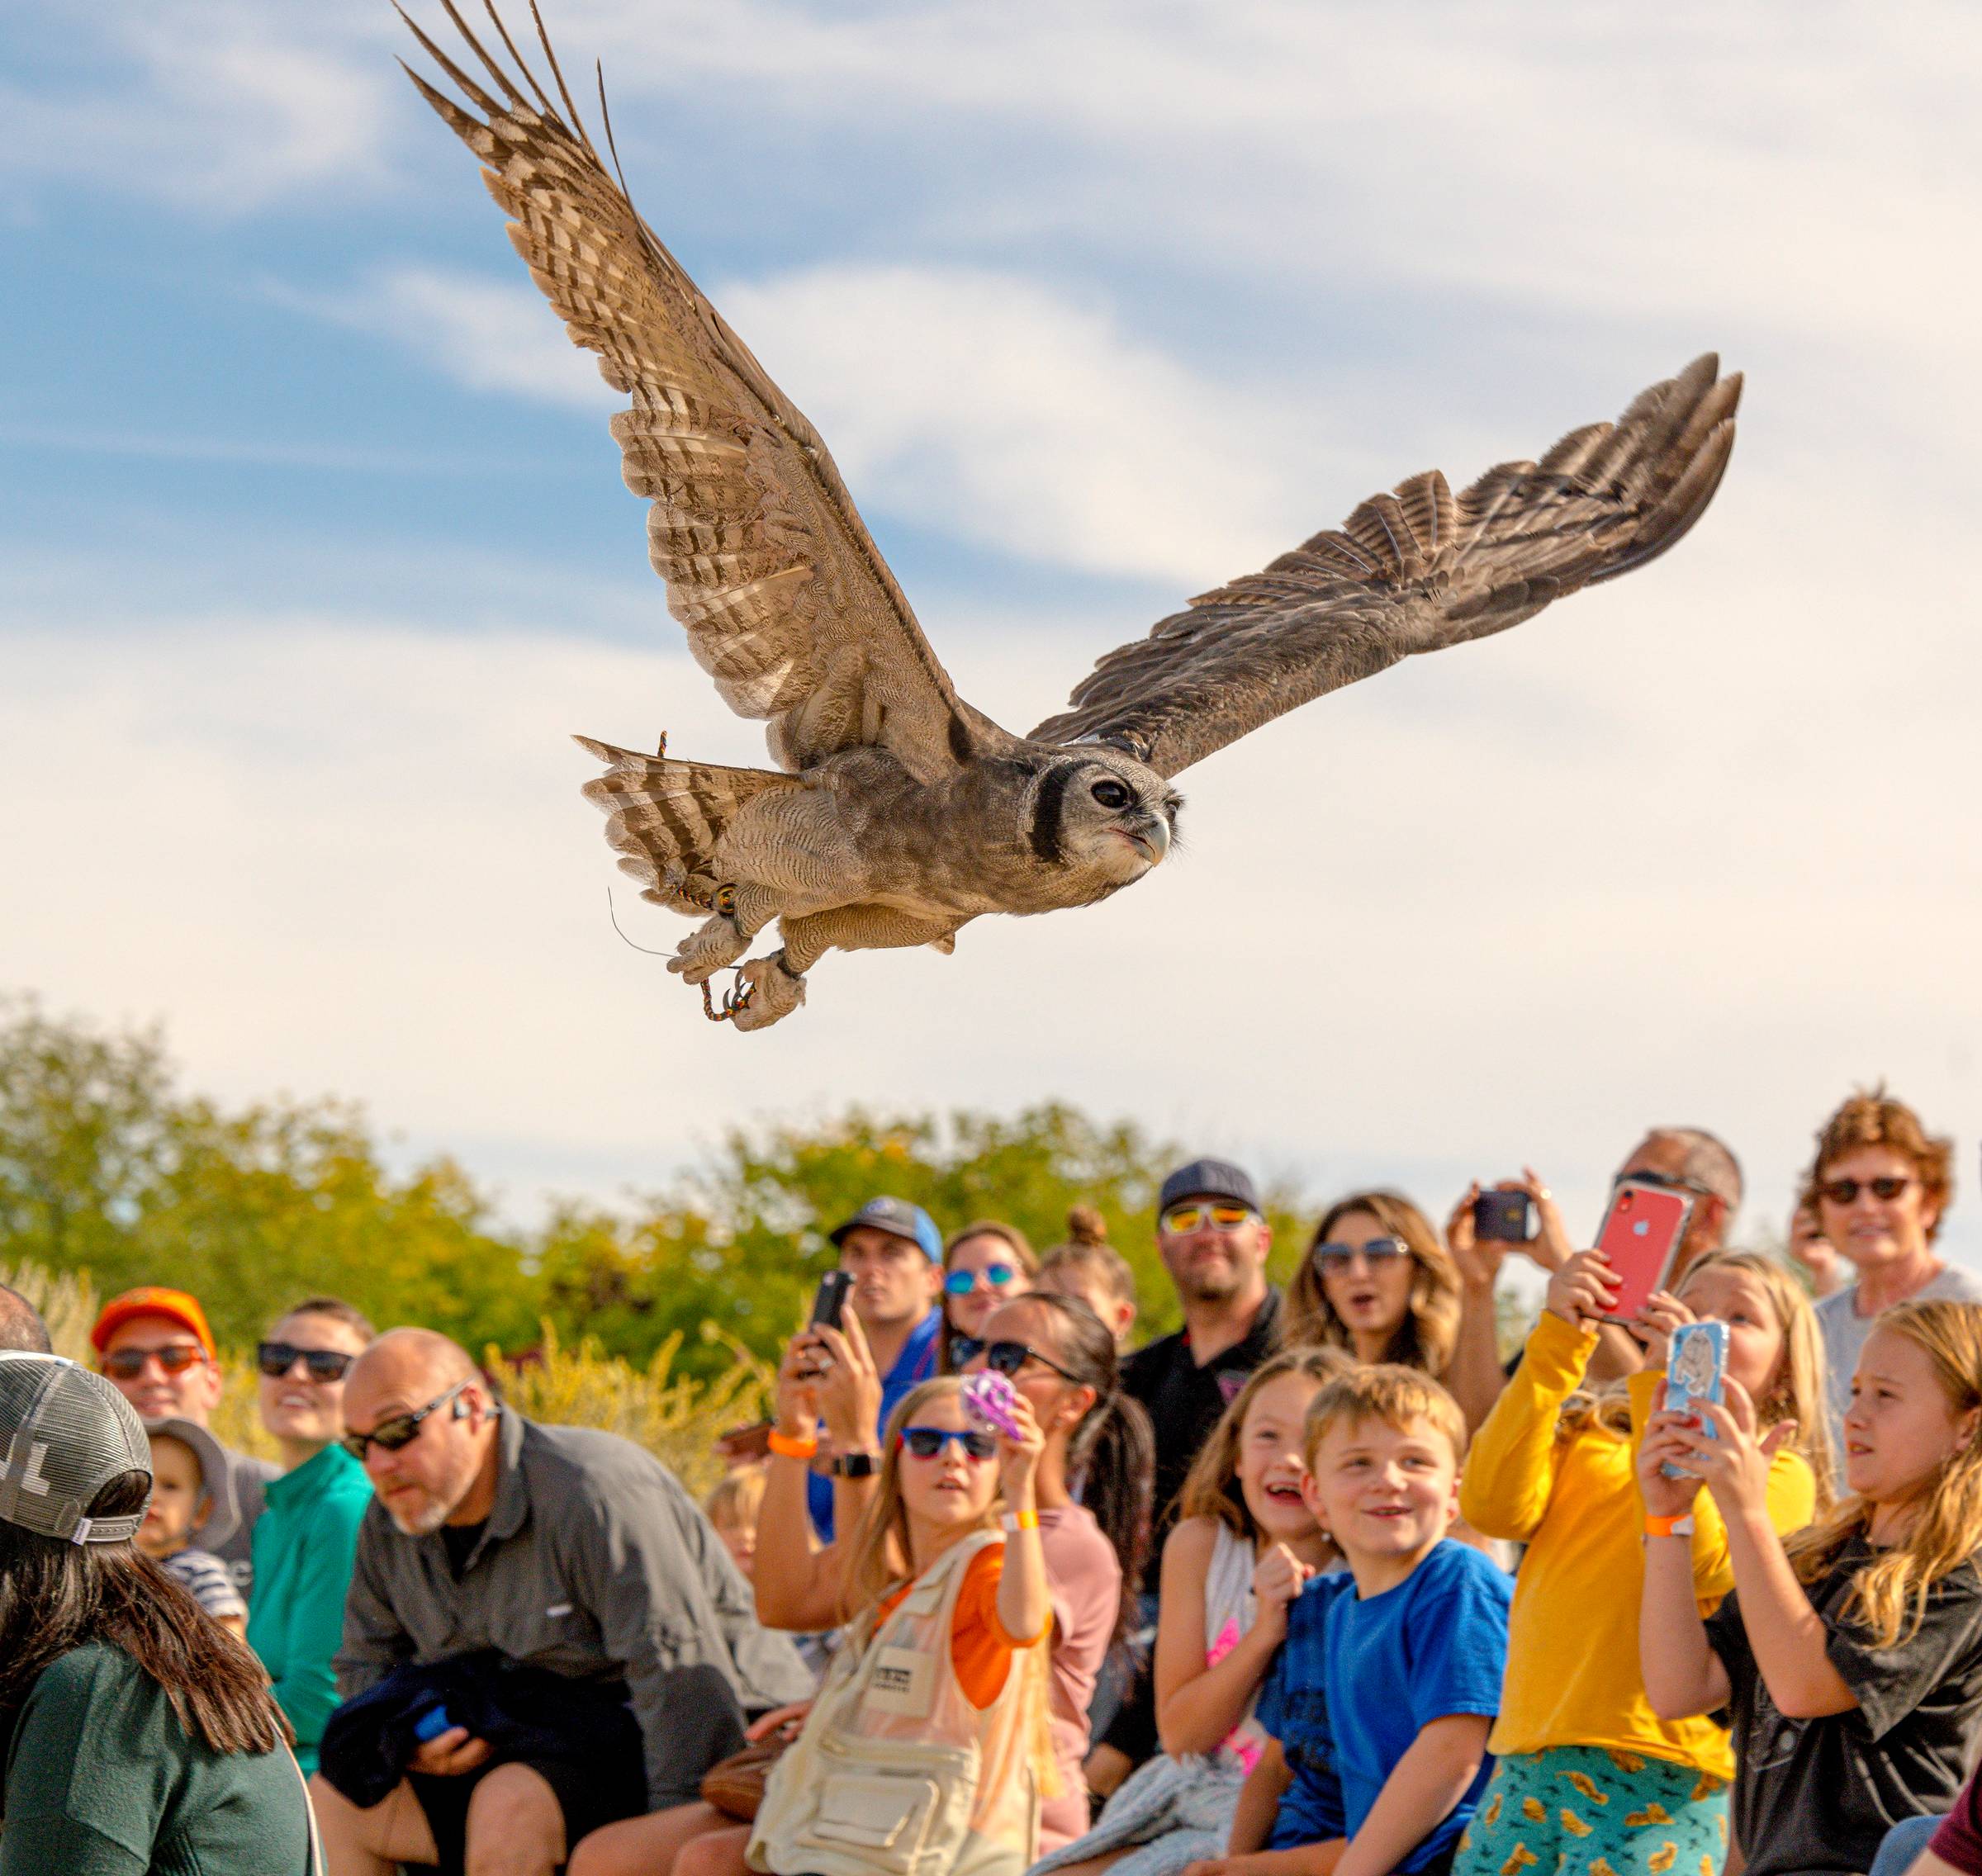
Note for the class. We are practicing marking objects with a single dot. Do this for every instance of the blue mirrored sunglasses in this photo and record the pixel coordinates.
(962, 1282)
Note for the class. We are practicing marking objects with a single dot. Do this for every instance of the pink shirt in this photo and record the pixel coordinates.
(1085, 1581)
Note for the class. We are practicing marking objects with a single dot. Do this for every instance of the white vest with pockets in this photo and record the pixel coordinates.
(896, 1774)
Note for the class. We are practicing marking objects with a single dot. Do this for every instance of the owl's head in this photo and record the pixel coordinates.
(1103, 812)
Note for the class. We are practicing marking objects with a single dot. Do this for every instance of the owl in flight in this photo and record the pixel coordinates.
(898, 812)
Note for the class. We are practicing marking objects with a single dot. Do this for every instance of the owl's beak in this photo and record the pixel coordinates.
(1152, 836)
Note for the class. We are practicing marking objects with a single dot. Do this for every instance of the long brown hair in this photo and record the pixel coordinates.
(1211, 1488)
(879, 1554)
(55, 1597)
(1431, 1328)
(1890, 1593)
(1113, 1452)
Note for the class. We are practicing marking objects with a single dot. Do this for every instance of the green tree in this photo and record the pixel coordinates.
(106, 1167)
(740, 1243)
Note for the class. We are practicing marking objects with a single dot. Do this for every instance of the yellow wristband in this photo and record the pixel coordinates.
(1021, 1520)
(1679, 1527)
(786, 1448)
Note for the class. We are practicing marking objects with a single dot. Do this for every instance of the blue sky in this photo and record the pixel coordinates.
(317, 550)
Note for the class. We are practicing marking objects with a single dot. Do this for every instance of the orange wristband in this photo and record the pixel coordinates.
(1021, 1520)
(1679, 1527)
(787, 1448)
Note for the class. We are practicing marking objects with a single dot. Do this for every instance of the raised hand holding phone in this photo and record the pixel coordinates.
(1666, 1493)
(848, 1384)
(1583, 1291)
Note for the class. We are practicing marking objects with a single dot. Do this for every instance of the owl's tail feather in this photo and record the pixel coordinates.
(664, 818)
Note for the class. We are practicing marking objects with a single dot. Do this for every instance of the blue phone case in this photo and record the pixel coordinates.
(1696, 1361)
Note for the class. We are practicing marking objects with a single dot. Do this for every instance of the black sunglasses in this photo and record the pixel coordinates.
(127, 1364)
(402, 1429)
(275, 1359)
(1846, 1191)
(1378, 1250)
(1008, 1357)
(964, 1349)
(1665, 1181)
(925, 1442)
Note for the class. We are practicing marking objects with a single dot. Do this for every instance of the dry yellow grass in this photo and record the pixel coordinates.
(675, 1417)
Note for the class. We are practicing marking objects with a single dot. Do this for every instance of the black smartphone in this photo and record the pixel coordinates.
(830, 1299)
(1508, 1218)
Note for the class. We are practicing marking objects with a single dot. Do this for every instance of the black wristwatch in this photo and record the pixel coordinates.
(855, 1464)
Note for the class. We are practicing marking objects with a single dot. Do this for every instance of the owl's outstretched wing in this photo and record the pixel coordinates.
(1414, 571)
(786, 599)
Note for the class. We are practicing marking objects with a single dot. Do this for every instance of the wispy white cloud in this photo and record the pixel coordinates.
(223, 107)
(980, 404)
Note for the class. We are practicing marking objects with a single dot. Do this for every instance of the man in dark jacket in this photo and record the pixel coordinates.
(556, 1548)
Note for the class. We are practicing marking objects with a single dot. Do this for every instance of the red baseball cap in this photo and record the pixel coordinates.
(152, 1300)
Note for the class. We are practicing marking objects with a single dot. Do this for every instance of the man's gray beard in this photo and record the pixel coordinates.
(425, 1525)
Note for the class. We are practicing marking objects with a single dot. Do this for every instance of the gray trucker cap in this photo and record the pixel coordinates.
(65, 1433)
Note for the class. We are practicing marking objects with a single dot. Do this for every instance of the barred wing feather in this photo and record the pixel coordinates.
(787, 602)
(1414, 570)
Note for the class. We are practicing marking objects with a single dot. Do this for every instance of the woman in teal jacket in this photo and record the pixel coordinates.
(305, 1541)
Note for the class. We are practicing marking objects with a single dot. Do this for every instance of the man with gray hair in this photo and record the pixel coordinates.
(22, 1328)
(511, 1551)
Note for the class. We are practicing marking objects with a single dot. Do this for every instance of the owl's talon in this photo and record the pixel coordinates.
(737, 998)
(713, 945)
(769, 989)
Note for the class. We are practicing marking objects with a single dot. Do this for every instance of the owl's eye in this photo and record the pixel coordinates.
(1111, 794)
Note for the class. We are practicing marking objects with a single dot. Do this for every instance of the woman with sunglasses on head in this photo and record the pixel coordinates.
(305, 1541)
(1378, 1283)
(1882, 1184)
(985, 1264)
(141, 1738)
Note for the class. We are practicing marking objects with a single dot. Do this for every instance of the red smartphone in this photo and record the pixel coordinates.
(1641, 1236)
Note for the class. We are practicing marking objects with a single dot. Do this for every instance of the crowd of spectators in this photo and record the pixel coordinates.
(1322, 1584)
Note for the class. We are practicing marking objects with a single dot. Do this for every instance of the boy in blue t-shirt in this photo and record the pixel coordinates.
(1380, 1700)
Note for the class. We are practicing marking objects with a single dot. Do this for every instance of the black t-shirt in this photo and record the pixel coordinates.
(460, 1541)
(1819, 1795)
(1184, 1400)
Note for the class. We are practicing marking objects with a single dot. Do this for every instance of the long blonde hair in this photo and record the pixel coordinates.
(1430, 1331)
(1895, 1585)
(1211, 1488)
(878, 1555)
(1798, 1395)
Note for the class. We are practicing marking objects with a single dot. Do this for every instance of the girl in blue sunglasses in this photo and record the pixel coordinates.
(984, 1266)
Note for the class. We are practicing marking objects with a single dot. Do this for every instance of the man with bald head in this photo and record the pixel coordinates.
(22, 1328)
(531, 1547)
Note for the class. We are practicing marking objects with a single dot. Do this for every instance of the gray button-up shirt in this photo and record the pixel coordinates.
(596, 1564)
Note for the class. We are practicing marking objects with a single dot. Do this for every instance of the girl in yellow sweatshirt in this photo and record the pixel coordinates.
(1590, 1782)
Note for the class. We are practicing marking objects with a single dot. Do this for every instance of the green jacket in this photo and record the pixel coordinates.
(304, 1543)
(102, 1781)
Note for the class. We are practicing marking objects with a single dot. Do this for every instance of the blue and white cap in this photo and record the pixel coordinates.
(901, 1218)
(65, 1433)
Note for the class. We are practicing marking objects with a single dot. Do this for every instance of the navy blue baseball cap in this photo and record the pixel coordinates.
(1209, 1179)
(901, 1218)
